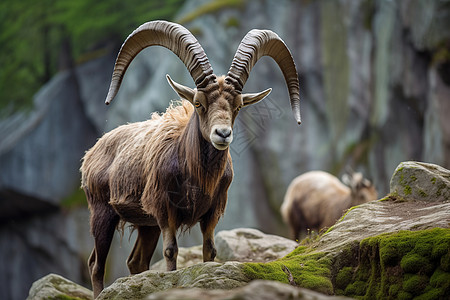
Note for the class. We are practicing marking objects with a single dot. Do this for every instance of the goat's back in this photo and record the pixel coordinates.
(318, 195)
(110, 161)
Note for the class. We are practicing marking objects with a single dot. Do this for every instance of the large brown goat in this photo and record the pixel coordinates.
(173, 170)
(316, 200)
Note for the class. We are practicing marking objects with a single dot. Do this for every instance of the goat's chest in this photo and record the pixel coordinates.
(189, 203)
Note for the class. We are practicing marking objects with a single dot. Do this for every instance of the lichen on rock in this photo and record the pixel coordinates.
(421, 181)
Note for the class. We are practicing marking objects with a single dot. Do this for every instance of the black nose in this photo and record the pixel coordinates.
(223, 132)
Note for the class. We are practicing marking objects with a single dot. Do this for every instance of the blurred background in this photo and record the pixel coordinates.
(375, 91)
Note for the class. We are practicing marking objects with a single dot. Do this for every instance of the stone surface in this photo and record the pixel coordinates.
(246, 244)
(54, 286)
(210, 275)
(186, 257)
(421, 181)
(241, 244)
(378, 217)
(255, 290)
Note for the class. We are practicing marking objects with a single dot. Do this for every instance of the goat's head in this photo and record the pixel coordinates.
(217, 100)
(362, 189)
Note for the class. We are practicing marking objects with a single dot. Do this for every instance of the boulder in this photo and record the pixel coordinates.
(246, 244)
(383, 216)
(421, 181)
(209, 275)
(54, 286)
(186, 257)
(257, 289)
(241, 244)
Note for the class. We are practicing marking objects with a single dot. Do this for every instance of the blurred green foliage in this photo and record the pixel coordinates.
(40, 37)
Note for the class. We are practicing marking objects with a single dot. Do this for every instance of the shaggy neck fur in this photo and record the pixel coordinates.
(203, 164)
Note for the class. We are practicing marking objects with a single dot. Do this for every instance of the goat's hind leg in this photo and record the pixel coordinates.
(103, 224)
(139, 259)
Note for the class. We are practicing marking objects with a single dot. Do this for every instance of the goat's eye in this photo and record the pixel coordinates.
(197, 104)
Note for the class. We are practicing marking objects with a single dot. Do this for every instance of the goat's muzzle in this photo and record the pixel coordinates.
(221, 137)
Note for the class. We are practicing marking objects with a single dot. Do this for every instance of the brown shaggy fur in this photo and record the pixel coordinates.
(180, 171)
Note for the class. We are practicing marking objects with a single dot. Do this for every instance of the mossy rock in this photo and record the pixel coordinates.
(57, 287)
(400, 265)
(421, 181)
(403, 265)
(307, 270)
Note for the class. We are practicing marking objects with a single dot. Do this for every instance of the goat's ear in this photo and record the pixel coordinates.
(249, 99)
(182, 91)
(347, 180)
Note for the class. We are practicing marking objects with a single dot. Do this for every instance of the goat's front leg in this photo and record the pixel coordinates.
(209, 250)
(170, 247)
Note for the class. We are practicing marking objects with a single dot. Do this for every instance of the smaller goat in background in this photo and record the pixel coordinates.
(317, 199)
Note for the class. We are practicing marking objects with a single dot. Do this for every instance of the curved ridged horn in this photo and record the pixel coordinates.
(254, 45)
(170, 35)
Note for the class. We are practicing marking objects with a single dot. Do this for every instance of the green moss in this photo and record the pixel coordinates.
(331, 228)
(445, 262)
(357, 288)
(310, 271)
(402, 265)
(386, 198)
(402, 295)
(311, 238)
(346, 213)
(393, 290)
(407, 190)
(432, 294)
(415, 263)
(298, 251)
(433, 180)
(440, 278)
(422, 193)
(415, 284)
(344, 277)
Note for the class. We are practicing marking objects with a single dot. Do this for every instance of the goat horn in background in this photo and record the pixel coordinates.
(170, 35)
(259, 43)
